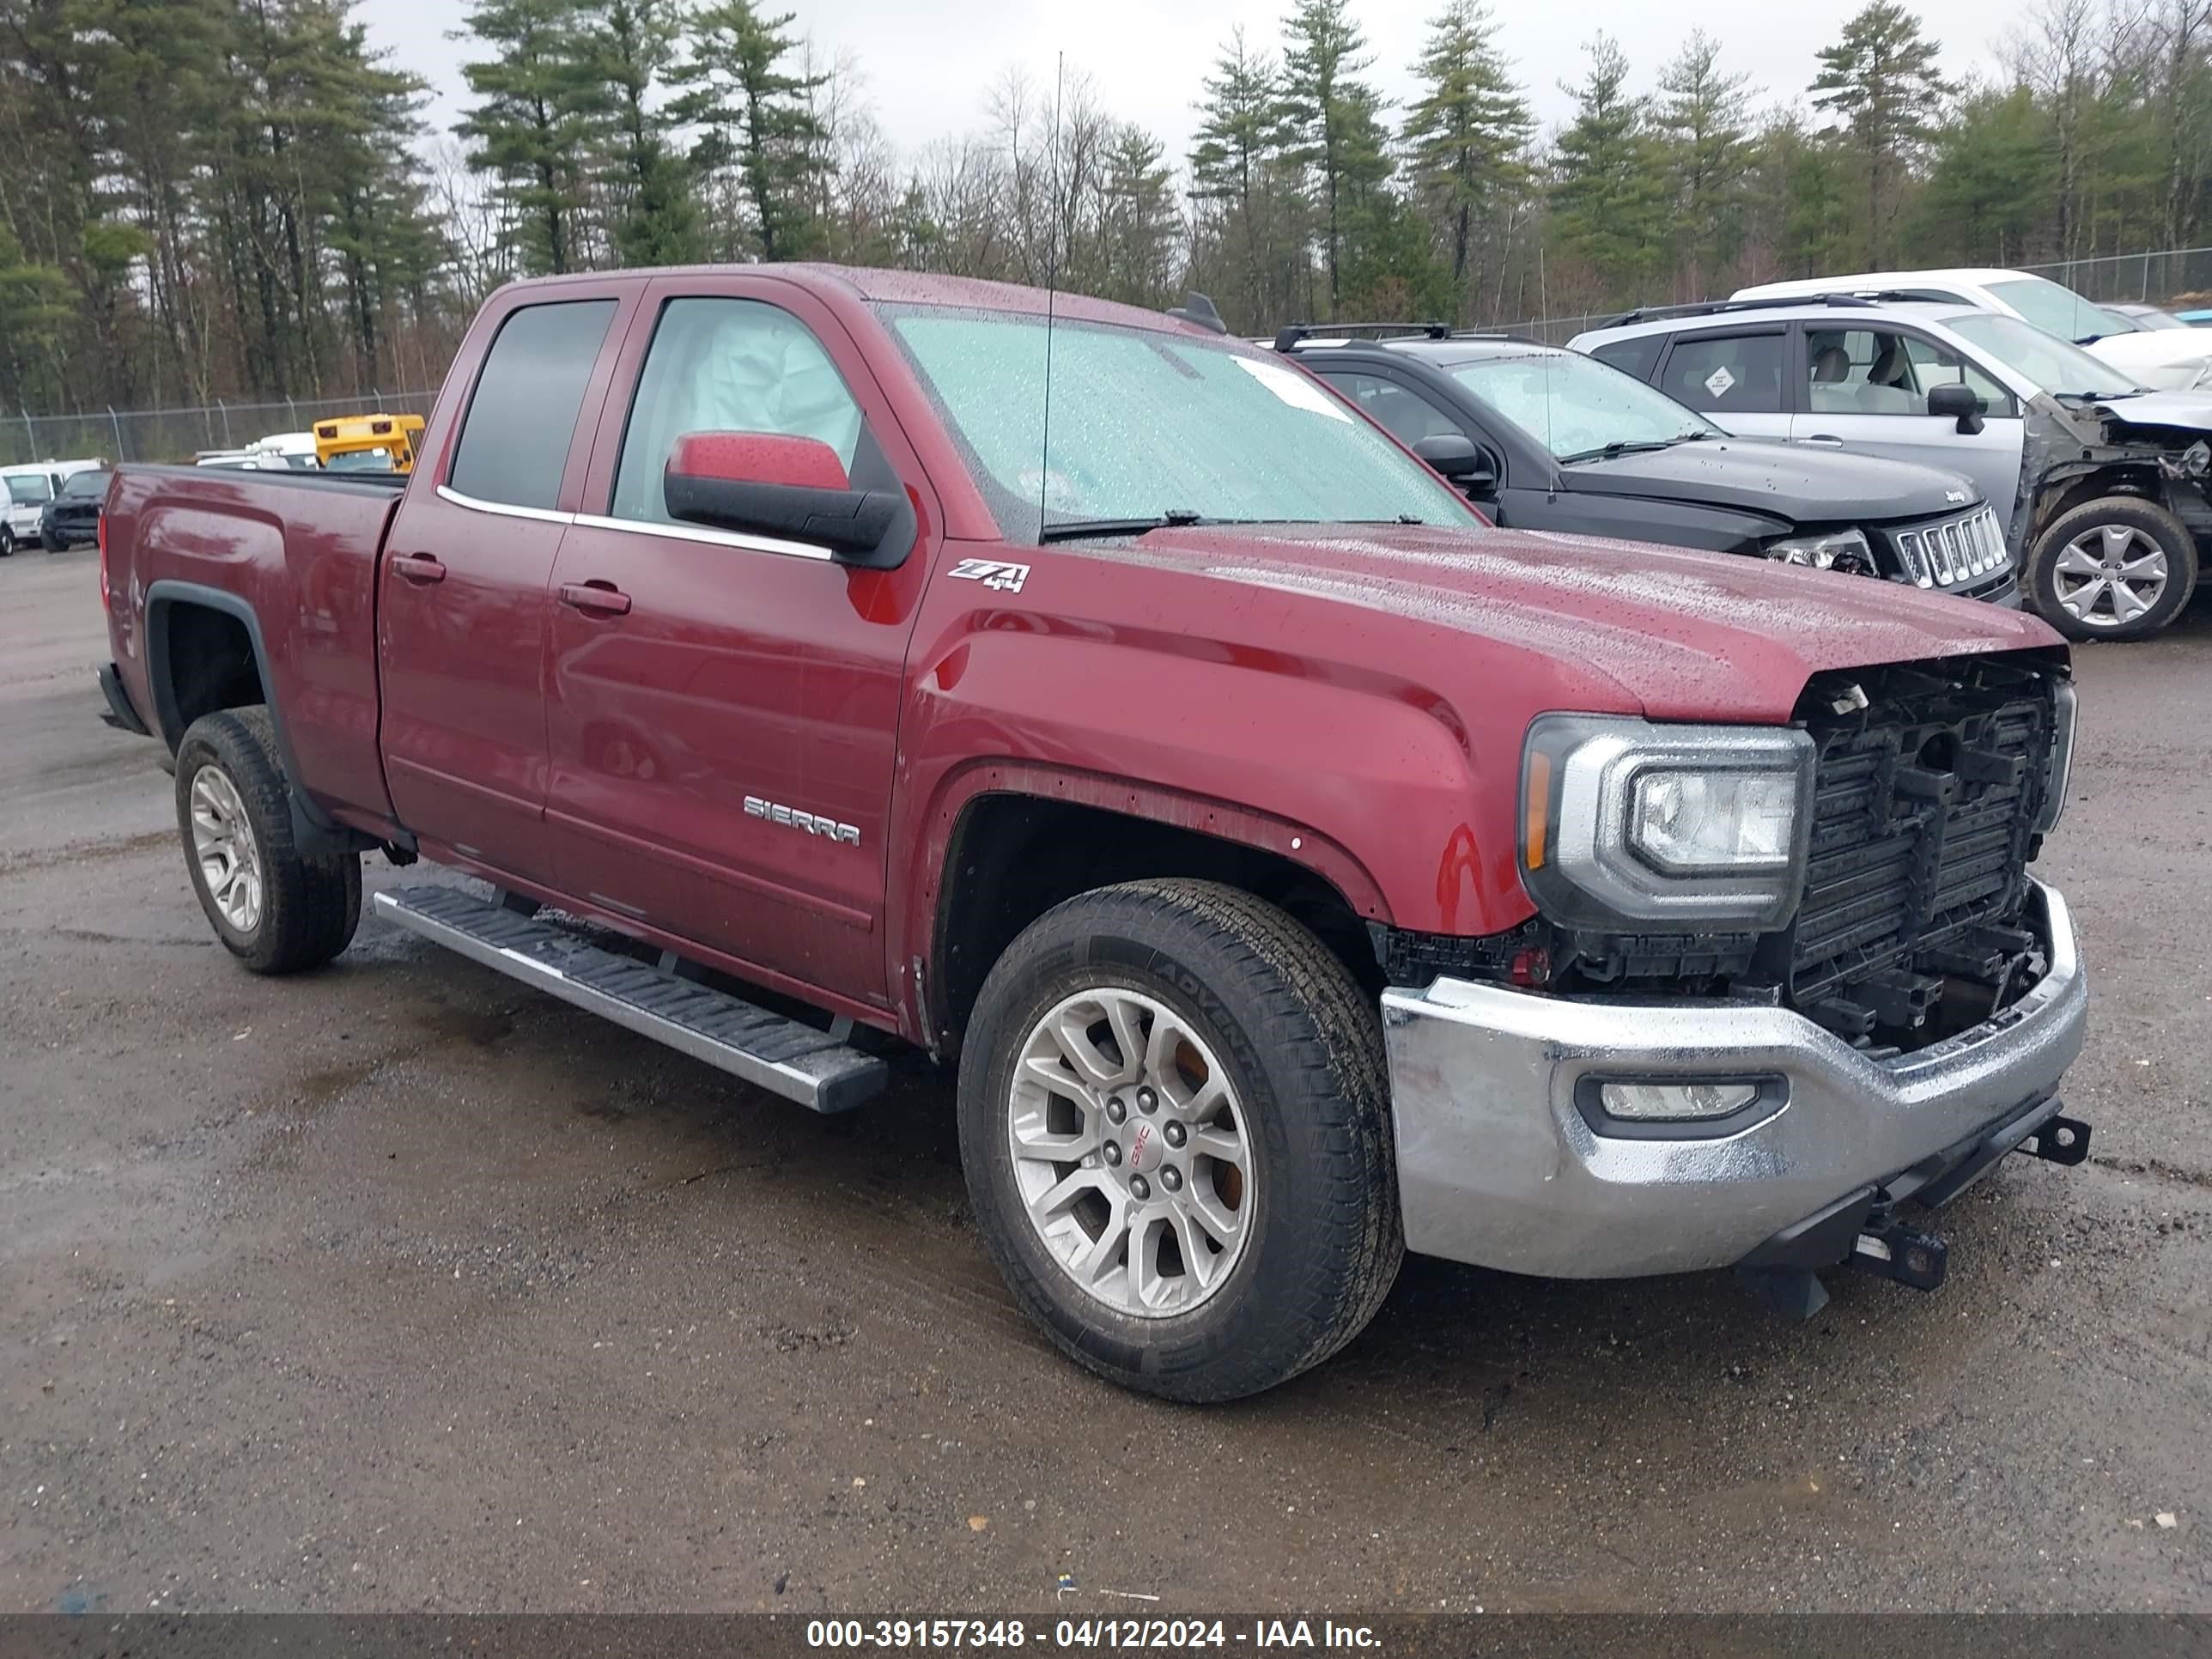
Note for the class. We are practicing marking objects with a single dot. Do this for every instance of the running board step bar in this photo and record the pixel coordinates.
(785, 1056)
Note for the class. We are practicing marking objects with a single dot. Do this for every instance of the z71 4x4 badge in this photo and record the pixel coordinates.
(992, 573)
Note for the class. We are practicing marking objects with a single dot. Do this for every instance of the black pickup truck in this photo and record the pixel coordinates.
(1543, 438)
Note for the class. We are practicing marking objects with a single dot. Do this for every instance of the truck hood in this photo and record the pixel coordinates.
(1605, 626)
(1796, 484)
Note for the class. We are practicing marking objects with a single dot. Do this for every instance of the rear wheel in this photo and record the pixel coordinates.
(2119, 568)
(1173, 1120)
(6, 541)
(276, 912)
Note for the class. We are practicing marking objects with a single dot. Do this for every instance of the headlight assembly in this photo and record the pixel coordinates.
(1824, 552)
(1664, 827)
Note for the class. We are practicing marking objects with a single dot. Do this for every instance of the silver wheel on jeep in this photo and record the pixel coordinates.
(223, 843)
(1131, 1153)
(2110, 575)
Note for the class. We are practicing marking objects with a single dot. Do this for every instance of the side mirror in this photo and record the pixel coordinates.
(1957, 402)
(768, 483)
(1455, 455)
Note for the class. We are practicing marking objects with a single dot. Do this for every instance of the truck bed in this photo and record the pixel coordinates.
(293, 556)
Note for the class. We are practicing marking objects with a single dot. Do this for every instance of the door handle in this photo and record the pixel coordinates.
(1822, 437)
(419, 567)
(603, 598)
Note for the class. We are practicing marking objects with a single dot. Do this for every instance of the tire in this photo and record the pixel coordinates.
(2075, 571)
(6, 542)
(52, 543)
(299, 912)
(1298, 1050)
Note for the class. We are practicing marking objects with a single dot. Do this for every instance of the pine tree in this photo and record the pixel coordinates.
(1608, 198)
(530, 127)
(1701, 119)
(1993, 175)
(1880, 82)
(1467, 131)
(631, 48)
(756, 114)
(1138, 220)
(1251, 235)
(1332, 117)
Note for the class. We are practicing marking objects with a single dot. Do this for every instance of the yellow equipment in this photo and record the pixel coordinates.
(369, 443)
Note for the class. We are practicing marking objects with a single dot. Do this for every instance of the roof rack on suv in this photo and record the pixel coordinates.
(1293, 335)
(1714, 308)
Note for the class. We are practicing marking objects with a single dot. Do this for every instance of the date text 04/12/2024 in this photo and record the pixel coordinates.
(1088, 1634)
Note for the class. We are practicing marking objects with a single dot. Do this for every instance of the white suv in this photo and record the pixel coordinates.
(2166, 358)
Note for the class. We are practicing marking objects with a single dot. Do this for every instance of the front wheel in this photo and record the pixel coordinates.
(53, 542)
(1174, 1124)
(274, 910)
(2119, 568)
(6, 541)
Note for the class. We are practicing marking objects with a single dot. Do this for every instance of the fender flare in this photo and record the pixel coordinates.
(925, 876)
(314, 832)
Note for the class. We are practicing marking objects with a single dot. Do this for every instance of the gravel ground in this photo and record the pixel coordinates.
(400, 1286)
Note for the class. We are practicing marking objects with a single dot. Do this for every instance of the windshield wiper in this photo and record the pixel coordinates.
(1621, 447)
(1074, 530)
(2099, 397)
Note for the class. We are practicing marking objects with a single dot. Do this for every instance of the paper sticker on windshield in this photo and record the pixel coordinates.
(1294, 388)
(1719, 381)
(992, 573)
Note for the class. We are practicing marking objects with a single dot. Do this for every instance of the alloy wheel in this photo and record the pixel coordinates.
(1131, 1153)
(223, 843)
(2109, 575)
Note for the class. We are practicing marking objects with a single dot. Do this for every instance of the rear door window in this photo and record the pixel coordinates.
(1727, 374)
(1637, 355)
(514, 441)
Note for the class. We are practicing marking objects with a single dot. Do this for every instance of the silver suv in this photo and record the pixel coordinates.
(2103, 484)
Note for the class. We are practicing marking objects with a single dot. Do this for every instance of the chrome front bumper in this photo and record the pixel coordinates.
(1498, 1166)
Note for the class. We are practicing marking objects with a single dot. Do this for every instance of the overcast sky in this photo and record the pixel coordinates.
(926, 61)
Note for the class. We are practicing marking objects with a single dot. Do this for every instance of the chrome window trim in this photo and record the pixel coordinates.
(505, 509)
(686, 533)
(641, 528)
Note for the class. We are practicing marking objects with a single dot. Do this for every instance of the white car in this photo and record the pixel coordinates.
(284, 451)
(24, 492)
(2167, 359)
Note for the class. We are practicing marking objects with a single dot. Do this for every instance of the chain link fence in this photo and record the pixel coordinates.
(183, 434)
(2177, 278)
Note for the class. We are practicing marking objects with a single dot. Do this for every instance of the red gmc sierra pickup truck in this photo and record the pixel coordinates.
(1299, 869)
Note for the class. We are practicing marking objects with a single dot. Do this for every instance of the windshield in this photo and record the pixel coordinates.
(2057, 310)
(1146, 423)
(81, 484)
(1576, 405)
(362, 460)
(2153, 320)
(28, 487)
(2058, 367)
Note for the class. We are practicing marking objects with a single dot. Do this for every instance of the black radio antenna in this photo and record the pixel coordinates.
(1051, 289)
